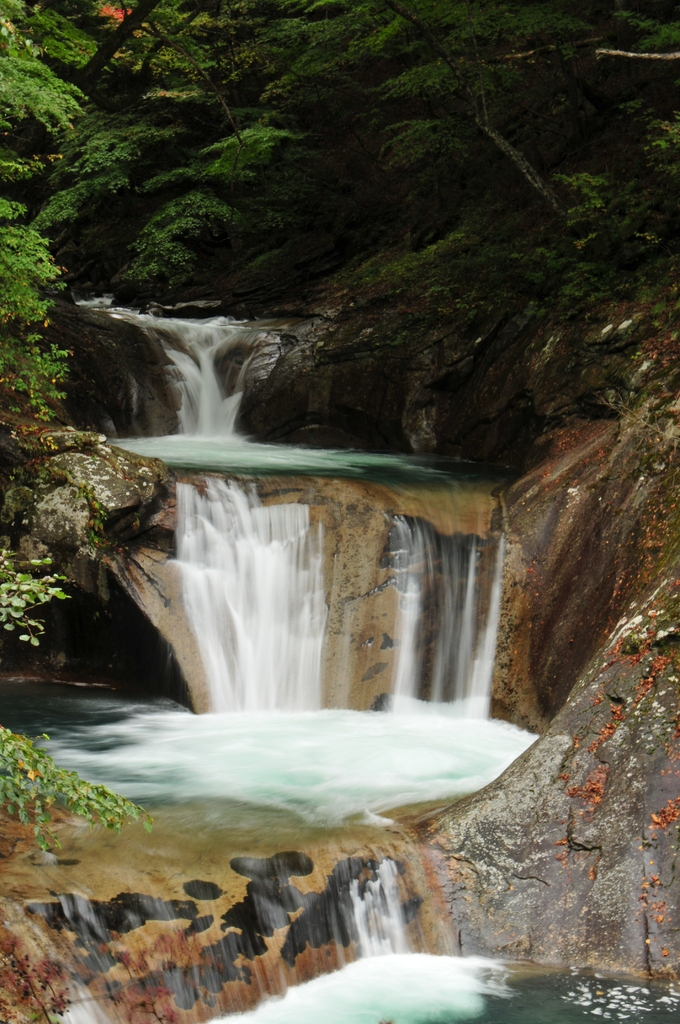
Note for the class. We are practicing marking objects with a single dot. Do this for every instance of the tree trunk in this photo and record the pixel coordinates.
(481, 120)
(522, 164)
(88, 76)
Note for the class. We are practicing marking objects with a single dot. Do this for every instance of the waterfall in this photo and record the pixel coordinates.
(443, 580)
(378, 914)
(210, 358)
(252, 575)
(253, 592)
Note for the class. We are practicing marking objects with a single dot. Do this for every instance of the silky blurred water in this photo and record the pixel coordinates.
(324, 766)
(422, 989)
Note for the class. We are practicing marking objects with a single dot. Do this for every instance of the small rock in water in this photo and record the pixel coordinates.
(383, 702)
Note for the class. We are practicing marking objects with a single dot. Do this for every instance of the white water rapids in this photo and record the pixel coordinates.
(323, 766)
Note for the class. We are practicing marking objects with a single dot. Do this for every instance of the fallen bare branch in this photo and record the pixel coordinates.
(639, 56)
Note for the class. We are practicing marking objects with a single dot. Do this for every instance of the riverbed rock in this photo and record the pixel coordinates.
(573, 529)
(78, 501)
(570, 858)
(219, 922)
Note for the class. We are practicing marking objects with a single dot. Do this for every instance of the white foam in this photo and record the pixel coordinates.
(402, 989)
(253, 592)
(325, 766)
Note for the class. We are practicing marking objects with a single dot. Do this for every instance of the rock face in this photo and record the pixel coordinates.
(571, 856)
(361, 570)
(574, 533)
(372, 380)
(221, 922)
(78, 501)
(118, 381)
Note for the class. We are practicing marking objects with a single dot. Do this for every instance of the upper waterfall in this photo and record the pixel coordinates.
(210, 357)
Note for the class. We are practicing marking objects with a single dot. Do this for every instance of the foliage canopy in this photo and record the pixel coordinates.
(187, 144)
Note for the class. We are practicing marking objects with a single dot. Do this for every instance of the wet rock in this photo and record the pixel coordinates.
(152, 581)
(361, 649)
(359, 570)
(61, 518)
(197, 310)
(385, 380)
(117, 381)
(80, 503)
(276, 918)
(570, 857)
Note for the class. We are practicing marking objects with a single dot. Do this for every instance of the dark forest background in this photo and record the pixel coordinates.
(441, 157)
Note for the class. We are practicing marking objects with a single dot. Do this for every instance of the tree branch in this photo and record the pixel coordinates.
(204, 75)
(130, 23)
(638, 56)
(481, 119)
(548, 48)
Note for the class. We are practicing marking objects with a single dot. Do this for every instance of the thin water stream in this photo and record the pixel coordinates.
(283, 880)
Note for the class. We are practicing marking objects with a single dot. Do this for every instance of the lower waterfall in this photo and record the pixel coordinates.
(378, 915)
(463, 591)
(253, 591)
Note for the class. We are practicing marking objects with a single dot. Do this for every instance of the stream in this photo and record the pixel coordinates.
(285, 881)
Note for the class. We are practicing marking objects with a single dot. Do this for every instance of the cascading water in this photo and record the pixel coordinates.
(209, 404)
(210, 358)
(252, 576)
(378, 913)
(253, 591)
(281, 764)
(461, 583)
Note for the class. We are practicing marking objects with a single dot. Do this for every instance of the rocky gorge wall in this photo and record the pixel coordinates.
(352, 377)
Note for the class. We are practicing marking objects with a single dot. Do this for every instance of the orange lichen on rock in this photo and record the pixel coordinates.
(644, 686)
(608, 729)
(660, 663)
(668, 814)
(593, 788)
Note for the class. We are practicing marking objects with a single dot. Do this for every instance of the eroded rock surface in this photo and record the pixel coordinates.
(570, 857)
(118, 378)
(380, 380)
(577, 549)
(221, 924)
(80, 501)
